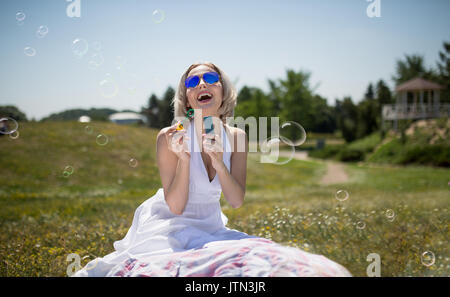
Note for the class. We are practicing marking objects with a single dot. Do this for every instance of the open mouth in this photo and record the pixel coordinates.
(205, 97)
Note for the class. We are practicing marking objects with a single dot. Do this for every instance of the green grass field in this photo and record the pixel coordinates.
(46, 214)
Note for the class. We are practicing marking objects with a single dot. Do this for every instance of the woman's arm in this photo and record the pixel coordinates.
(174, 171)
(233, 183)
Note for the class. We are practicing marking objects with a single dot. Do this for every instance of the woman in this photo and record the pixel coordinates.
(181, 230)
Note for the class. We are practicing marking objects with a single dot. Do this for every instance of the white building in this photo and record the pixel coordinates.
(84, 119)
(127, 118)
(415, 99)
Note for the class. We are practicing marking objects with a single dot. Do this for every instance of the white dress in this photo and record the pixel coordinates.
(197, 242)
(156, 230)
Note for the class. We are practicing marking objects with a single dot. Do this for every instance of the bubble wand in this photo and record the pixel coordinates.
(189, 116)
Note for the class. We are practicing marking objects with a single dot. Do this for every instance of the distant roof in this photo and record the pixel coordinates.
(417, 84)
(126, 116)
(84, 119)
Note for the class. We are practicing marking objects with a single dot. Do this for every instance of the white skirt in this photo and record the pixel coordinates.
(155, 230)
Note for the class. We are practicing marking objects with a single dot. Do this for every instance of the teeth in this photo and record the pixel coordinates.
(204, 95)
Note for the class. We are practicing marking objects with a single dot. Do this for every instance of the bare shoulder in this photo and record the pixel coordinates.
(239, 139)
(235, 131)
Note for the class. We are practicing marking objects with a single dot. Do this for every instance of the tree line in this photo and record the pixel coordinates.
(292, 98)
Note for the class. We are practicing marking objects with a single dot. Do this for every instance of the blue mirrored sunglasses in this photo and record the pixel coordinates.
(208, 77)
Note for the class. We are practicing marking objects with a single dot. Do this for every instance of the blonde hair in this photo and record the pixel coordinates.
(229, 99)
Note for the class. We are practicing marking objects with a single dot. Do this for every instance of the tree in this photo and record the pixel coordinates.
(368, 111)
(296, 101)
(367, 118)
(347, 116)
(253, 102)
(369, 93)
(245, 94)
(411, 67)
(384, 96)
(292, 99)
(444, 72)
(152, 111)
(383, 93)
(325, 118)
(11, 111)
(275, 97)
(96, 114)
(165, 111)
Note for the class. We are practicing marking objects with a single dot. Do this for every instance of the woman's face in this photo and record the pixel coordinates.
(209, 107)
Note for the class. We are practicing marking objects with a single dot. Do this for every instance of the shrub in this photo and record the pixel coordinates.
(366, 144)
(351, 155)
(328, 152)
(437, 155)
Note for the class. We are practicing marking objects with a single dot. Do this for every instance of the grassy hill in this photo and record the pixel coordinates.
(425, 142)
(46, 214)
(37, 159)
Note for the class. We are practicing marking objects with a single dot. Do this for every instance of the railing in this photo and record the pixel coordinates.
(414, 111)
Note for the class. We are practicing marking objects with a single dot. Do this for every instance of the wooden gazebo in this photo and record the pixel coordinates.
(415, 99)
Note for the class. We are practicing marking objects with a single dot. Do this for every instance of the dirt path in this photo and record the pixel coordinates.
(335, 174)
(335, 170)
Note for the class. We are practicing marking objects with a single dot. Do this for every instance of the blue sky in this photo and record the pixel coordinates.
(252, 41)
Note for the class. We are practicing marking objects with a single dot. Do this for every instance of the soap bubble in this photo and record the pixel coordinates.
(293, 130)
(360, 225)
(96, 60)
(92, 264)
(20, 16)
(428, 258)
(79, 47)
(390, 213)
(14, 135)
(29, 51)
(158, 16)
(108, 87)
(69, 169)
(102, 139)
(133, 162)
(42, 31)
(8, 125)
(270, 151)
(341, 195)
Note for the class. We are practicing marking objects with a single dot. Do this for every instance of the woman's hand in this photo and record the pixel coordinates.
(214, 148)
(177, 142)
